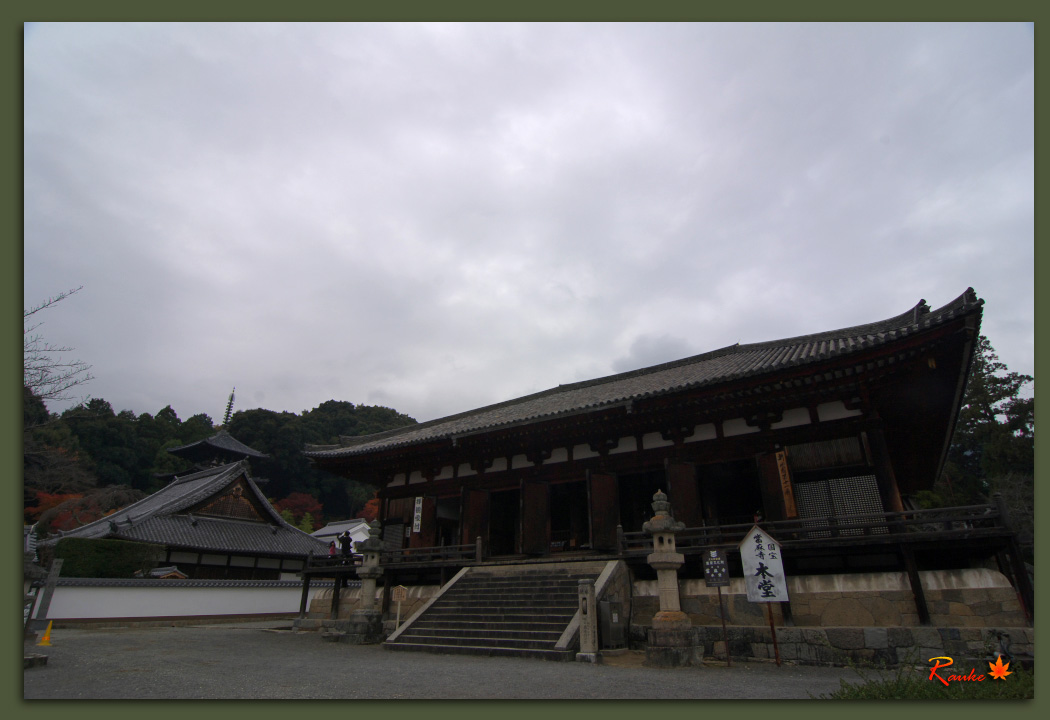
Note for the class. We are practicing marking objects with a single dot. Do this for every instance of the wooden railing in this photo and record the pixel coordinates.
(970, 521)
(443, 553)
(334, 561)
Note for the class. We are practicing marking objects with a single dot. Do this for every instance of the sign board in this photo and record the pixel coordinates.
(763, 567)
(417, 516)
(716, 573)
(790, 509)
(399, 594)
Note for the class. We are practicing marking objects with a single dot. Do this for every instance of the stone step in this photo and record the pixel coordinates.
(534, 611)
(531, 594)
(536, 604)
(557, 655)
(526, 618)
(521, 614)
(546, 636)
(527, 625)
(524, 581)
(502, 641)
(519, 586)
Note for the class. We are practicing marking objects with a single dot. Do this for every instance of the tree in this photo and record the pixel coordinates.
(76, 510)
(370, 511)
(44, 371)
(300, 505)
(995, 433)
(51, 457)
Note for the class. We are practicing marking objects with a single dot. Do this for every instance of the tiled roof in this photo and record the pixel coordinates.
(195, 583)
(163, 518)
(717, 367)
(334, 528)
(221, 441)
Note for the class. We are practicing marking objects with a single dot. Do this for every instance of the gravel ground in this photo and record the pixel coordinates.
(259, 660)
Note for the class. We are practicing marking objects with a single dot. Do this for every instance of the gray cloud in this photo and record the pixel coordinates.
(436, 217)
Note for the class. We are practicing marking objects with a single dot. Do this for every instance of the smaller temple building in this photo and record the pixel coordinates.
(212, 524)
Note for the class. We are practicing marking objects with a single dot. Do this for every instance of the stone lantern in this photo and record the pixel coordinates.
(365, 625)
(671, 636)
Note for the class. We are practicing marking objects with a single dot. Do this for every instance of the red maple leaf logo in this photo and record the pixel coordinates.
(999, 670)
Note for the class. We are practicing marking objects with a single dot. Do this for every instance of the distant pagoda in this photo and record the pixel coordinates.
(219, 449)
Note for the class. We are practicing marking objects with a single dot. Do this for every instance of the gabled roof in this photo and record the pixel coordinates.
(728, 364)
(336, 528)
(221, 444)
(166, 518)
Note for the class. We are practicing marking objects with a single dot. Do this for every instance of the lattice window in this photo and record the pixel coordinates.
(393, 537)
(838, 497)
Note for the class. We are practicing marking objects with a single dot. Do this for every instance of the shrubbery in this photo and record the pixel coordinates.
(105, 558)
(909, 683)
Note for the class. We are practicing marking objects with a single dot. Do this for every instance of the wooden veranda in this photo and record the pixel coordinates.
(905, 537)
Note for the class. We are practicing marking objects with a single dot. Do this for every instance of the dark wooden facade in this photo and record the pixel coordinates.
(832, 429)
(839, 422)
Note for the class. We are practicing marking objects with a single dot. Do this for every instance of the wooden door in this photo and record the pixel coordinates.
(535, 514)
(605, 509)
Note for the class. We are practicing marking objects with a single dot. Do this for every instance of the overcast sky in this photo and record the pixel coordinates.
(440, 217)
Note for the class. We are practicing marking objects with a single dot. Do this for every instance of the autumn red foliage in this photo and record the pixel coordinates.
(370, 511)
(299, 504)
(45, 501)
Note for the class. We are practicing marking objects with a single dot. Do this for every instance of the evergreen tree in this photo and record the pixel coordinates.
(995, 433)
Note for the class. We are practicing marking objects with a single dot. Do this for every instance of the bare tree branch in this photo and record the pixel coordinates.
(44, 371)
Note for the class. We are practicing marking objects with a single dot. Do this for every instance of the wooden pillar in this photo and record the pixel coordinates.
(885, 478)
(1022, 583)
(916, 585)
(337, 586)
(385, 607)
(708, 500)
(778, 495)
(684, 493)
(604, 504)
(305, 599)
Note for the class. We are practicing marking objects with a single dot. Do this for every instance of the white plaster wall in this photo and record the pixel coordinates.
(703, 432)
(835, 411)
(655, 440)
(737, 426)
(97, 603)
(625, 444)
(792, 418)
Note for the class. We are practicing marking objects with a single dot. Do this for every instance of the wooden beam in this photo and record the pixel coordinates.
(916, 585)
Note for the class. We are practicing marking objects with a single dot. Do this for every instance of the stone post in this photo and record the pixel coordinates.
(588, 623)
(671, 636)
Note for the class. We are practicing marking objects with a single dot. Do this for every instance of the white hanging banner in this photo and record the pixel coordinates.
(417, 516)
(763, 567)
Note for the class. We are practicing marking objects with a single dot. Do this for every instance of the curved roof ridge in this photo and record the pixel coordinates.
(221, 440)
(160, 502)
(687, 372)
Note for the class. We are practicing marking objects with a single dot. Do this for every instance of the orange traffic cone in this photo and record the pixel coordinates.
(46, 640)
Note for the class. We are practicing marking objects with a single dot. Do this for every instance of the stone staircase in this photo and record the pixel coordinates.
(515, 611)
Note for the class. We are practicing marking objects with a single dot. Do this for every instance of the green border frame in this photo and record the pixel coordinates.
(538, 10)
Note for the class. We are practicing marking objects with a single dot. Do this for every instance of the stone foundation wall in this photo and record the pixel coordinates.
(350, 601)
(969, 598)
(864, 646)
